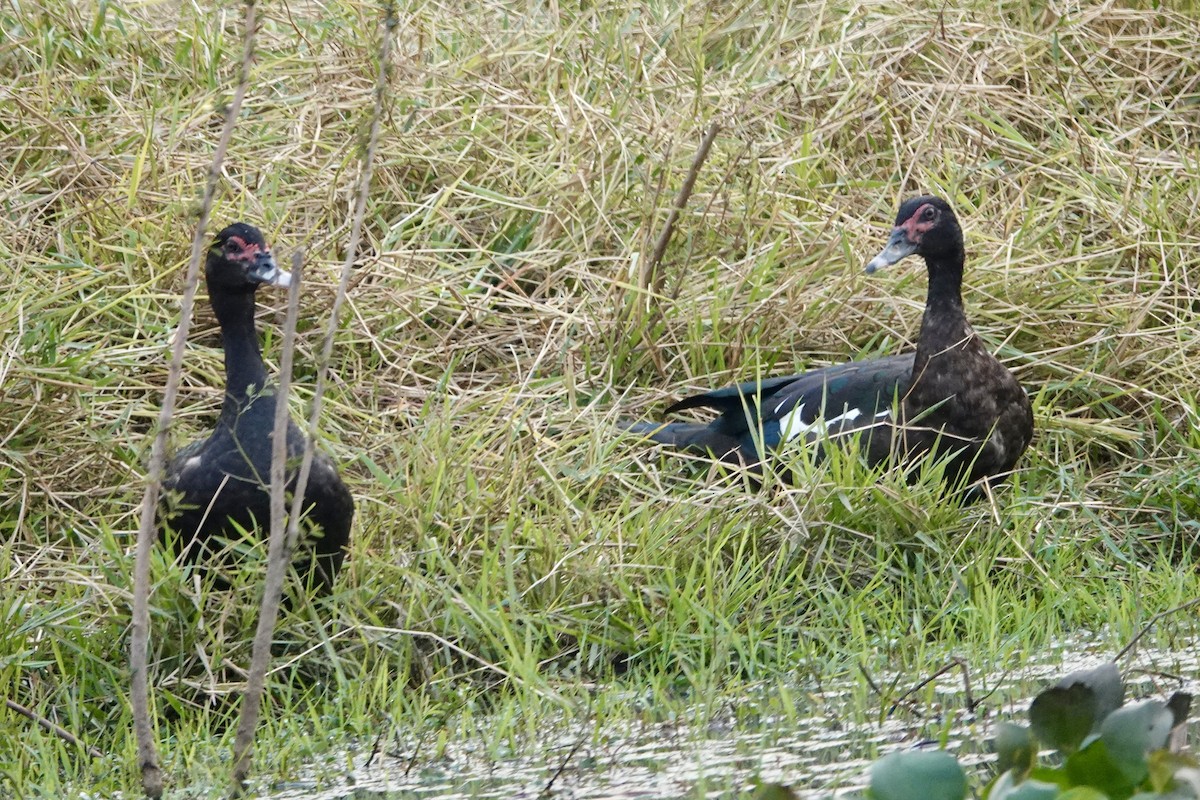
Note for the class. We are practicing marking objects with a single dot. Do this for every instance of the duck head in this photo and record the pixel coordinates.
(239, 260)
(924, 225)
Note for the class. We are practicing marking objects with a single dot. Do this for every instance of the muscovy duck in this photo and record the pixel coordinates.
(951, 397)
(221, 484)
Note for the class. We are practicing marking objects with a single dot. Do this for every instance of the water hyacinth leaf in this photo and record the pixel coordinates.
(1016, 748)
(1174, 773)
(1008, 787)
(1046, 774)
(1187, 781)
(1094, 767)
(1131, 733)
(1083, 793)
(1062, 715)
(1179, 704)
(1105, 682)
(917, 776)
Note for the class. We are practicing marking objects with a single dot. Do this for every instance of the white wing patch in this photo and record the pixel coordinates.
(791, 424)
(849, 415)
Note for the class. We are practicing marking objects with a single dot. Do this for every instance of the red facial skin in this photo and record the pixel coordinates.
(238, 249)
(922, 220)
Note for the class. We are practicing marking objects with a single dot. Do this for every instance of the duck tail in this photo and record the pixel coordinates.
(696, 437)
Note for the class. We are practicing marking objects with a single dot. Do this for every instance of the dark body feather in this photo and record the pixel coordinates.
(951, 397)
(221, 484)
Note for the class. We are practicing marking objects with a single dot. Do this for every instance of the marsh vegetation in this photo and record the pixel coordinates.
(516, 564)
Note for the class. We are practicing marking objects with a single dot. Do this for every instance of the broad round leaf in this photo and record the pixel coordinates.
(1179, 704)
(1006, 787)
(1016, 748)
(1093, 766)
(1062, 715)
(1083, 793)
(1105, 683)
(918, 776)
(1176, 773)
(1130, 734)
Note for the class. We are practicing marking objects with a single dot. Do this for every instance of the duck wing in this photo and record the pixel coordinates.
(834, 400)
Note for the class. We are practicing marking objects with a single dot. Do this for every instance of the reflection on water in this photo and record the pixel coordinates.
(822, 753)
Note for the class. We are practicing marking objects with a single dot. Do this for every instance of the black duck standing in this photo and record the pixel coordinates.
(221, 485)
(951, 397)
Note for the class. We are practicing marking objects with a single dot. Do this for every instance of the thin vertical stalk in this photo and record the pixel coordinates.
(139, 692)
(650, 277)
(261, 652)
(360, 209)
(278, 551)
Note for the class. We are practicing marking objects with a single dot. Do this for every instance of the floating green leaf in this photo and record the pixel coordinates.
(1174, 772)
(1093, 766)
(1131, 733)
(1016, 748)
(1179, 704)
(1007, 787)
(918, 776)
(1062, 715)
(1105, 681)
(1083, 793)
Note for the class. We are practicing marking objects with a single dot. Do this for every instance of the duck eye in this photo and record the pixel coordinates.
(928, 213)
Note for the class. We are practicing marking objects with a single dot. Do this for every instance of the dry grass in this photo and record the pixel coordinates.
(529, 159)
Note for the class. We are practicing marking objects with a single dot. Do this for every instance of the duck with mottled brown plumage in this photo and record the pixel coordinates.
(951, 397)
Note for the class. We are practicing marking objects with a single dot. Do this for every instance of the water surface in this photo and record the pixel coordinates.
(823, 750)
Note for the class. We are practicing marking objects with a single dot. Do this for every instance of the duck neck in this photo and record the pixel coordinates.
(944, 328)
(245, 373)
